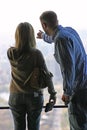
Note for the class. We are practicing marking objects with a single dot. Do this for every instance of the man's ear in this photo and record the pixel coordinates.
(44, 25)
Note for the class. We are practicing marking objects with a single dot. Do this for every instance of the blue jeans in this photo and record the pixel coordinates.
(78, 111)
(26, 109)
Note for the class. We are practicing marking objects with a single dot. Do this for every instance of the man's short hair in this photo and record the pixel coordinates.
(50, 18)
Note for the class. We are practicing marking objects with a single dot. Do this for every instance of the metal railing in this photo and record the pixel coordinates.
(56, 106)
(46, 122)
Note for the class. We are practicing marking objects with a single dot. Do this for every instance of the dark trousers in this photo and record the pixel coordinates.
(78, 111)
(26, 109)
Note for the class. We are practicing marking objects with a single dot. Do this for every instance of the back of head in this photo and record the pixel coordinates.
(50, 18)
(24, 37)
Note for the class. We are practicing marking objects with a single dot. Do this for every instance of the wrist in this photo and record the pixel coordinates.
(53, 93)
(42, 35)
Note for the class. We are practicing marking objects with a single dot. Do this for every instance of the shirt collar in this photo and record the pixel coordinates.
(58, 28)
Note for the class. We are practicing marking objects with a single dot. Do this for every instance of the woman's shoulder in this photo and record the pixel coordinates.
(37, 54)
(11, 51)
(36, 51)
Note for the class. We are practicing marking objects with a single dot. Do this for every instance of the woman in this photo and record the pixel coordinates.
(26, 102)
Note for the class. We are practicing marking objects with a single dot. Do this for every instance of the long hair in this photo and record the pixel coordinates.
(24, 37)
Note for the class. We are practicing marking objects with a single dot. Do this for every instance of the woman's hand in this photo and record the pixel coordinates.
(53, 98)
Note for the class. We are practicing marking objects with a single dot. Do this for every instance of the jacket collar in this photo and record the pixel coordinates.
(58, 28)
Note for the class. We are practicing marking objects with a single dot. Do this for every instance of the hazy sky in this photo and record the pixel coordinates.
(12, 12)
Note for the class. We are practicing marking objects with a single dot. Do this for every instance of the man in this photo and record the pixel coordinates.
(71, 56)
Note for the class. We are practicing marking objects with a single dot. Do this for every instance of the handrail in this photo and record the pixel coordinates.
(56, 106)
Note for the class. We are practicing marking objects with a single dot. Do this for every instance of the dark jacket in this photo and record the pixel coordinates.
(21, 67)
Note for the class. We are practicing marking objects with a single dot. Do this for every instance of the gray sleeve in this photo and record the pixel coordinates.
(42, 64)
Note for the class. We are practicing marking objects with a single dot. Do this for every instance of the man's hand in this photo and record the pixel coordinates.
(65, 99)
(39, 34)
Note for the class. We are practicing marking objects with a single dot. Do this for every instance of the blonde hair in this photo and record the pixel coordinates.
(24, 37)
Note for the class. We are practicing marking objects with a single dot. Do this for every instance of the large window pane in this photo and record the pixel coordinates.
(54, 120)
